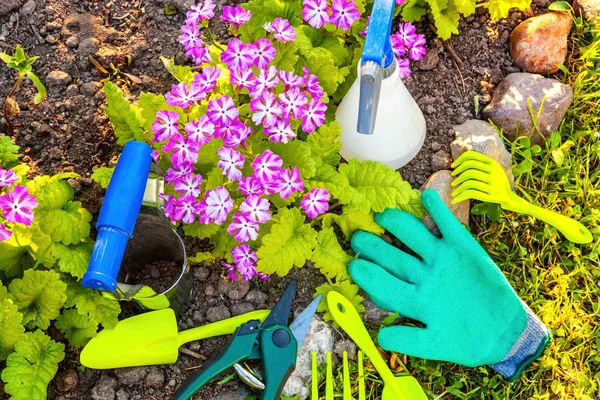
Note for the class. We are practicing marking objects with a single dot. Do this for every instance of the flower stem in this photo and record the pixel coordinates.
(5, 108)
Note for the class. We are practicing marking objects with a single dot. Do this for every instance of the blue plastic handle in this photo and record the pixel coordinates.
(378, 45)
(118, 215)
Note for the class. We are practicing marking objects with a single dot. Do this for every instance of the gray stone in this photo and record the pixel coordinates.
(319, 339)
(155, 378)
(72, 42)
(88, 47)
(28, 8)
(197, 317)
(256, 297)
(482, 137)
(131, 376)
(347, 346)
(373, 314)
(509, 109)
(441, 182)
(122, 395)
(201, 273)
(235, 290)
(589, 9)
(430, 60)
(72, 90)
(241, 308)
(182, 5)
(66, 380)
(53, 25)
(90, 88)
(7, 6)
(218, 313)
(58, 79)
(440, 160)
(105, 388)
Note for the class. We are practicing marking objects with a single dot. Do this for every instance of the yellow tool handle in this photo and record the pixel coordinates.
(219, 328)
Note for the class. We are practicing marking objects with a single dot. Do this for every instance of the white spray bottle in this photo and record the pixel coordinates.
(380, 120)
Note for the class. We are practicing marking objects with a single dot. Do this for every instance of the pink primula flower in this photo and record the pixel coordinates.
(344, 13)
(189, 185)
(190, 37)
(169, 207)
(403, 67)
(315, 12)
(282, 30)
(407, 34)
(207, 79)
(231, 162)
(289, 182)
(182, 95)
(280, 132)
(7, 177)
(313, 115)
(263, 52)
(316, 202)
(165, 126)
(256, 208)
(186, 209)
(200, 131)
(266, 109)
(237, 135)
(271, 186)
(4, 233)
(218, 205)
(313, 86)
(199, 54)
(199, 12)
(398, 45)
(231, 271)
(244, 258)
(265, 80)
(249, 186)
(236, 15)
(293, 101)
(17, 205)
(174, 175)
(266, 166)
(290, 79)
(243, 228)
(242, 78)
(185, 151)
(238, 55)
(418, 50)
(222, 110)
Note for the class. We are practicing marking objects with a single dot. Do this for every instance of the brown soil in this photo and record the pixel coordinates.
(160, 275)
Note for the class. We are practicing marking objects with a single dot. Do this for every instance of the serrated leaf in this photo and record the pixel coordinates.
(325, 143)
(347, 289)
(337, 184)
(414, 205)
(266, 11)
(321, 63)
(286, 57)
(102, 176)
(39, 295)
(223, 242)
(14, 256)
(413, 10)
(32, 366)
(50, 192)
(352, 220)
(446, 18)
(68, 226)
(214, 179)
(329, 257)
(465, 7)
(290, 243)
(73, 259)
(377, 186)
(90, 302)
(78, 328)
(200, 257)
(123, 115)
(500, 8)
(11, 326)
(8, 153)
(183, 73)
(200, 231)
(295, 154)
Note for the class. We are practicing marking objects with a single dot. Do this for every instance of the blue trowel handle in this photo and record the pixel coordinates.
(118, 215)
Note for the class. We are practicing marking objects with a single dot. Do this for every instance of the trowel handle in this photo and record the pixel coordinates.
(118, 215)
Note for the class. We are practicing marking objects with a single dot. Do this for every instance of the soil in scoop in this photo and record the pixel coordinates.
(159, 275)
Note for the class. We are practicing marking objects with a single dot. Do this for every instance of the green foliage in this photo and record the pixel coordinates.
(180, 72)
(346, 288)
(352, 220)
(78, 328)
(329, 257)
(32, 366)
(447, 13)
(22, 63)
(11, 326)
(124, 116)
(8, 153)
(102, 176)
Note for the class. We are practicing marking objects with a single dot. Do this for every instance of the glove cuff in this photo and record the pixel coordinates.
(527, 348)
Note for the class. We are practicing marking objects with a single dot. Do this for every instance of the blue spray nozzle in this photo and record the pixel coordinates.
(377, 55)
(118, 216)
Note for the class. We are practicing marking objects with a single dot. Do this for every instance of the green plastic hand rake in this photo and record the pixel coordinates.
(481, 178)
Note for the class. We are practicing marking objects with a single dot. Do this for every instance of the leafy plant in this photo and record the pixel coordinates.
(447, 13)
(44, 252)
(22, 63)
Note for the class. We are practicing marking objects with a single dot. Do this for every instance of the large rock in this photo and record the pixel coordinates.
(441, 182)
(7, 6)
(482, 137)
(589, 9)
(319, 339)
(509, 108)
(539, 44)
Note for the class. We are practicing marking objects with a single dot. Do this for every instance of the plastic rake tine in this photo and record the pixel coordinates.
(329, 379)
(315, 378)
(471, 174)
(347, 388)
(470, 164)
(472, 185)
(361, 377)
(471, 155)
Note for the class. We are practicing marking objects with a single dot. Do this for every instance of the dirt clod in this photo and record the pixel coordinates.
(160, 275)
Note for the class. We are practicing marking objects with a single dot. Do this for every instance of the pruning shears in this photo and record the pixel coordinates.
(274, 342)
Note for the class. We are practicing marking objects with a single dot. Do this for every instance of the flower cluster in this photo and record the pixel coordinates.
(278, 100)
(16, 204)
(342, 13)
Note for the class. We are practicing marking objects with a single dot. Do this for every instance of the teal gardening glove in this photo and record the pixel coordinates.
(472, 315)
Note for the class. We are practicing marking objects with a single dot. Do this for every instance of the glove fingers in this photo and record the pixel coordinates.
(398, 263)
(447, 223)
(410, 230)
(416, 342)
(385, 290)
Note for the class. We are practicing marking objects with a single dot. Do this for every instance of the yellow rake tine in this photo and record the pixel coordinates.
(315, 378)
(472, 164)
(329, 379)
(361, 378)
(472, 185)
(473, 194)
(472, 174)
(472, 155)
(347, 389)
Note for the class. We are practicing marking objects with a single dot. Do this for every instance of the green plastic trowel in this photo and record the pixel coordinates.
(152, 338)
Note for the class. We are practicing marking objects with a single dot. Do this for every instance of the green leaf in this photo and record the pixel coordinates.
(32, 366)
(11, 326)
(214, 179)
(41, 94)
(14, 255)
(73, 259)
(182, 73)
(8, 153)
(68, 226)
(295, 154)
(465, 7)
(446, 18)
(266, 11)
(39, 295)
(290, 243)
(123, 115)
(321, 63)
(325, 144)
(377, 186)
(200, 231)
(413, 10)
(51, 193)
(337, 184)
(346, 288)
(352, 220)
(104, 309)
(329, 257)
(78, 328)
(286, 57)
(102, 176)
(151, 104)
(500, 8)
(560, 6)
(200, 257)
(223, 243)
(414, 205)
